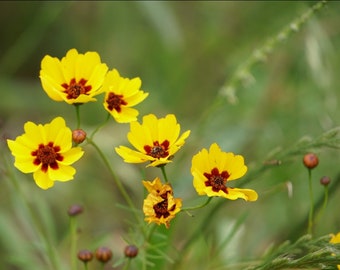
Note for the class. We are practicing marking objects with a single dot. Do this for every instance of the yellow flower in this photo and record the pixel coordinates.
(335, 239)
(156, 140)
(120, 95)
(212, 170)
(46, 151)
(76, 79)
(160, 206)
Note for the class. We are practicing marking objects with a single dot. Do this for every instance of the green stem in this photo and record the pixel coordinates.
(115, 178)
(164, 174)
(325, 201)
(73, 233)
(100, 126)
(310, 217)
(78, 114)
(85, 266)
(42, 234)
(127, 265)
(197, 206)
(243, 75)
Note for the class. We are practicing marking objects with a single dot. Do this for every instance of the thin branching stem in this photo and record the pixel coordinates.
(311, 210)
(164, 174)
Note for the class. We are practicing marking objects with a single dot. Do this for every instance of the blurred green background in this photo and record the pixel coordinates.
(184, 52)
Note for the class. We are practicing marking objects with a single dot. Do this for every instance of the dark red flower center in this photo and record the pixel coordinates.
(74, 89)
(115, 102)
(216, 180)
(158, 150)
(47, 155)
(161, 208)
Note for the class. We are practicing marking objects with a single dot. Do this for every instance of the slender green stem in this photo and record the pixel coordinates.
(115, 178)
(164, 174)
(127, 265)
(78, 114)
(73, 233)
(243, 75)
(85, 266)
(100, 126)
(325, 201)
(198, 206)
(42, 234)
(310, 217)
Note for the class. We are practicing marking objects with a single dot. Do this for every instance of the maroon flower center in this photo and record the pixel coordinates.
(47, 155)
(75, 89)
(217, 180)
(115, 102)
(161, 208)
(158, 150)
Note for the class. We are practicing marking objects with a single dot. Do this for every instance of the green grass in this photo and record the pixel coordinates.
(184, 53)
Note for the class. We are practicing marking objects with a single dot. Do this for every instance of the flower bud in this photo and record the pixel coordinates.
(78, 135)
(85, 255)
(131, 251)
(75, 210)
(310, 160)
(325, 180)
(103, 254)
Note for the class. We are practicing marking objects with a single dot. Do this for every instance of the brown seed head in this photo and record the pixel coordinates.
(325, 180)
(310, 160)
(85, 255)
(78, 136)
(103, 254)
(131, 251)
(75, 210)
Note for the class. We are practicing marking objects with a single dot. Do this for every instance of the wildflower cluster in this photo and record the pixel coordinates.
(47, 151)
(50, 150)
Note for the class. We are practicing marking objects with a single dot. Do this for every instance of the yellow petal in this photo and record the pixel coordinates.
(127, 115)
(97, 78)
(42, 179)
(156, 184)
(35, 133)
(51, 68)
(26, 165)
(168, 129)
(131, 156)
(53, 89)
(150, 127)
(69, 65)
(139, 136)
(135, 99)
(236, 193)
(18, 148)
(158, 162)
(63, 173)
(59, 134)
(71, 156)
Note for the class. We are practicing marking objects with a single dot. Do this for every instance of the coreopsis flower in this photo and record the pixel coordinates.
(120, 95)
(160, 206)
(46, 151)
(212, 170)
(156, 140)
(75, 79)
